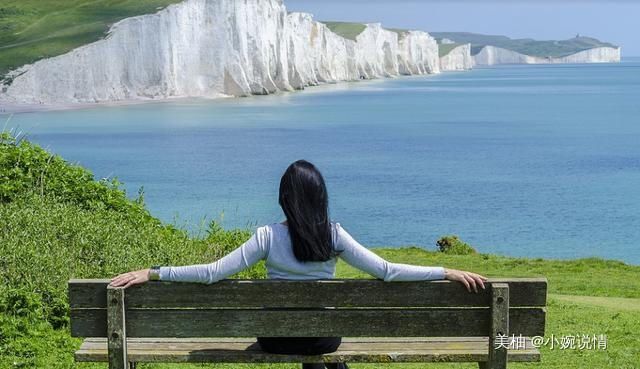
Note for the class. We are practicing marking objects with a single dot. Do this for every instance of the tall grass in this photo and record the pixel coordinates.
(58, 223)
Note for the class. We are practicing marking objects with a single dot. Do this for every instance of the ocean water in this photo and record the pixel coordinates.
(539, 161)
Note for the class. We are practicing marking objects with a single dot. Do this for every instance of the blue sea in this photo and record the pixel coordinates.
(537, 161)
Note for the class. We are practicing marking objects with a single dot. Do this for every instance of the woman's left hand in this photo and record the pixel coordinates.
(130, 279)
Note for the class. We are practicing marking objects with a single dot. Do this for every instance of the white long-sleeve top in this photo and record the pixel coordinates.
(273, 244)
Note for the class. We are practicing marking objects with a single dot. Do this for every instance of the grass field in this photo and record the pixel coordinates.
(348, 30)
(616, 303)
(399, 31)
(58, 223)
(444, 49)
(35, 29)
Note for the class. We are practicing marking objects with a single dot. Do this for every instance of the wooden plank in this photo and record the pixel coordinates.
(182, 350)
(92, 340)
(348, 346)
(499, 327)
(222, 356)
(306, 294)
(317, 323)
(101, 340)
(116, 329)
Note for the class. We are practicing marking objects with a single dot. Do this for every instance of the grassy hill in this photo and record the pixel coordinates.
(400, 31)
(58, 223)
(444, 49)
(35, 29)
(348, 30)
(524, 45)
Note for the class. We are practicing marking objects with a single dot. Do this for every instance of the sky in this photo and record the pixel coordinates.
(617, 22)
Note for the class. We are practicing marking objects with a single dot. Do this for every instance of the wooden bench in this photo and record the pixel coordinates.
(436, 321)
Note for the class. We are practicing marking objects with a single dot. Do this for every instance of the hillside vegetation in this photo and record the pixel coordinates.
(444, 49)
(34, 29)
(525, 46)
(347, 30)
(58, 222)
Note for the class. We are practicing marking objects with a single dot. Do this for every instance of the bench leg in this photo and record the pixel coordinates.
(132, 365)
(483, 365)
(116, 329)
(499, 327)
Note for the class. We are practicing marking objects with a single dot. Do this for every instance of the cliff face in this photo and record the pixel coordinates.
(596, 55)
(212, 48)
(490, 55)
(459, 58)
(418, 53)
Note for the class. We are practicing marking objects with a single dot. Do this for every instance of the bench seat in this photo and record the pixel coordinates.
(361, 349)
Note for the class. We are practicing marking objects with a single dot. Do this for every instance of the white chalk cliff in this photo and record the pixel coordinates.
(459, 58)
(213, 48)
(491, 55)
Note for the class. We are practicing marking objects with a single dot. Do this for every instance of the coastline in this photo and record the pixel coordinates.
(9, 108)
(16, 108)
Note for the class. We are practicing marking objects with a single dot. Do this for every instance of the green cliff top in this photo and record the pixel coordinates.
(444, 49)
(348, 30)
(35, 29)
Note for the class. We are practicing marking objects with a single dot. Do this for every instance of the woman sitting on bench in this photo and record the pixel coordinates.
(305, 246)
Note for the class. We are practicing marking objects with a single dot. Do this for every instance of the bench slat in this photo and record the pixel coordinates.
(306, 294)
(346, 346)
(90, 341)
(289, 322)
(93, 343)
(351, 350)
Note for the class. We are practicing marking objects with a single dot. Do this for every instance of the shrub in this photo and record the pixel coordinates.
(27, 169)
(58, 223)
(454, 246)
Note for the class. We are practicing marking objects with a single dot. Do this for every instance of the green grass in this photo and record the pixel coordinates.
(347, 30)
(58, 223)
(34, 29)
(444, 49)
(616, 303)
(400, 31)
(526, 45)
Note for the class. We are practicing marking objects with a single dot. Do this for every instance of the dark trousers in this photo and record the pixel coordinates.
(303, 346)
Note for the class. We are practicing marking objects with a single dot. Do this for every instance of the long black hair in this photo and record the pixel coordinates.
(305, 202)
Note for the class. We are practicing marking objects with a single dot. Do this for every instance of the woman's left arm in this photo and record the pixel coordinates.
(241, 258)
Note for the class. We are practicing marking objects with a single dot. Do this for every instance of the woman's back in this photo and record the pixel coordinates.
(282, 263)
(272, 243)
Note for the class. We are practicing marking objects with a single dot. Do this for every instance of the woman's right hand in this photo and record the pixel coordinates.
(470, 280)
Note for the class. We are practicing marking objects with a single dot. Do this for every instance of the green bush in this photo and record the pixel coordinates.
(454, 246)
(59, 223)
(26, 168)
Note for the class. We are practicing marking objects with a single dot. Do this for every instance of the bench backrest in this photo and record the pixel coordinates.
(339, 307)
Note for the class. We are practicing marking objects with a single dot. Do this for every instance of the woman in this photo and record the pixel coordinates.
(305, 246)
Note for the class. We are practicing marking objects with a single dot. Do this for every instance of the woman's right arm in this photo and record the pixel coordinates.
(366, 260)
(249, 253)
